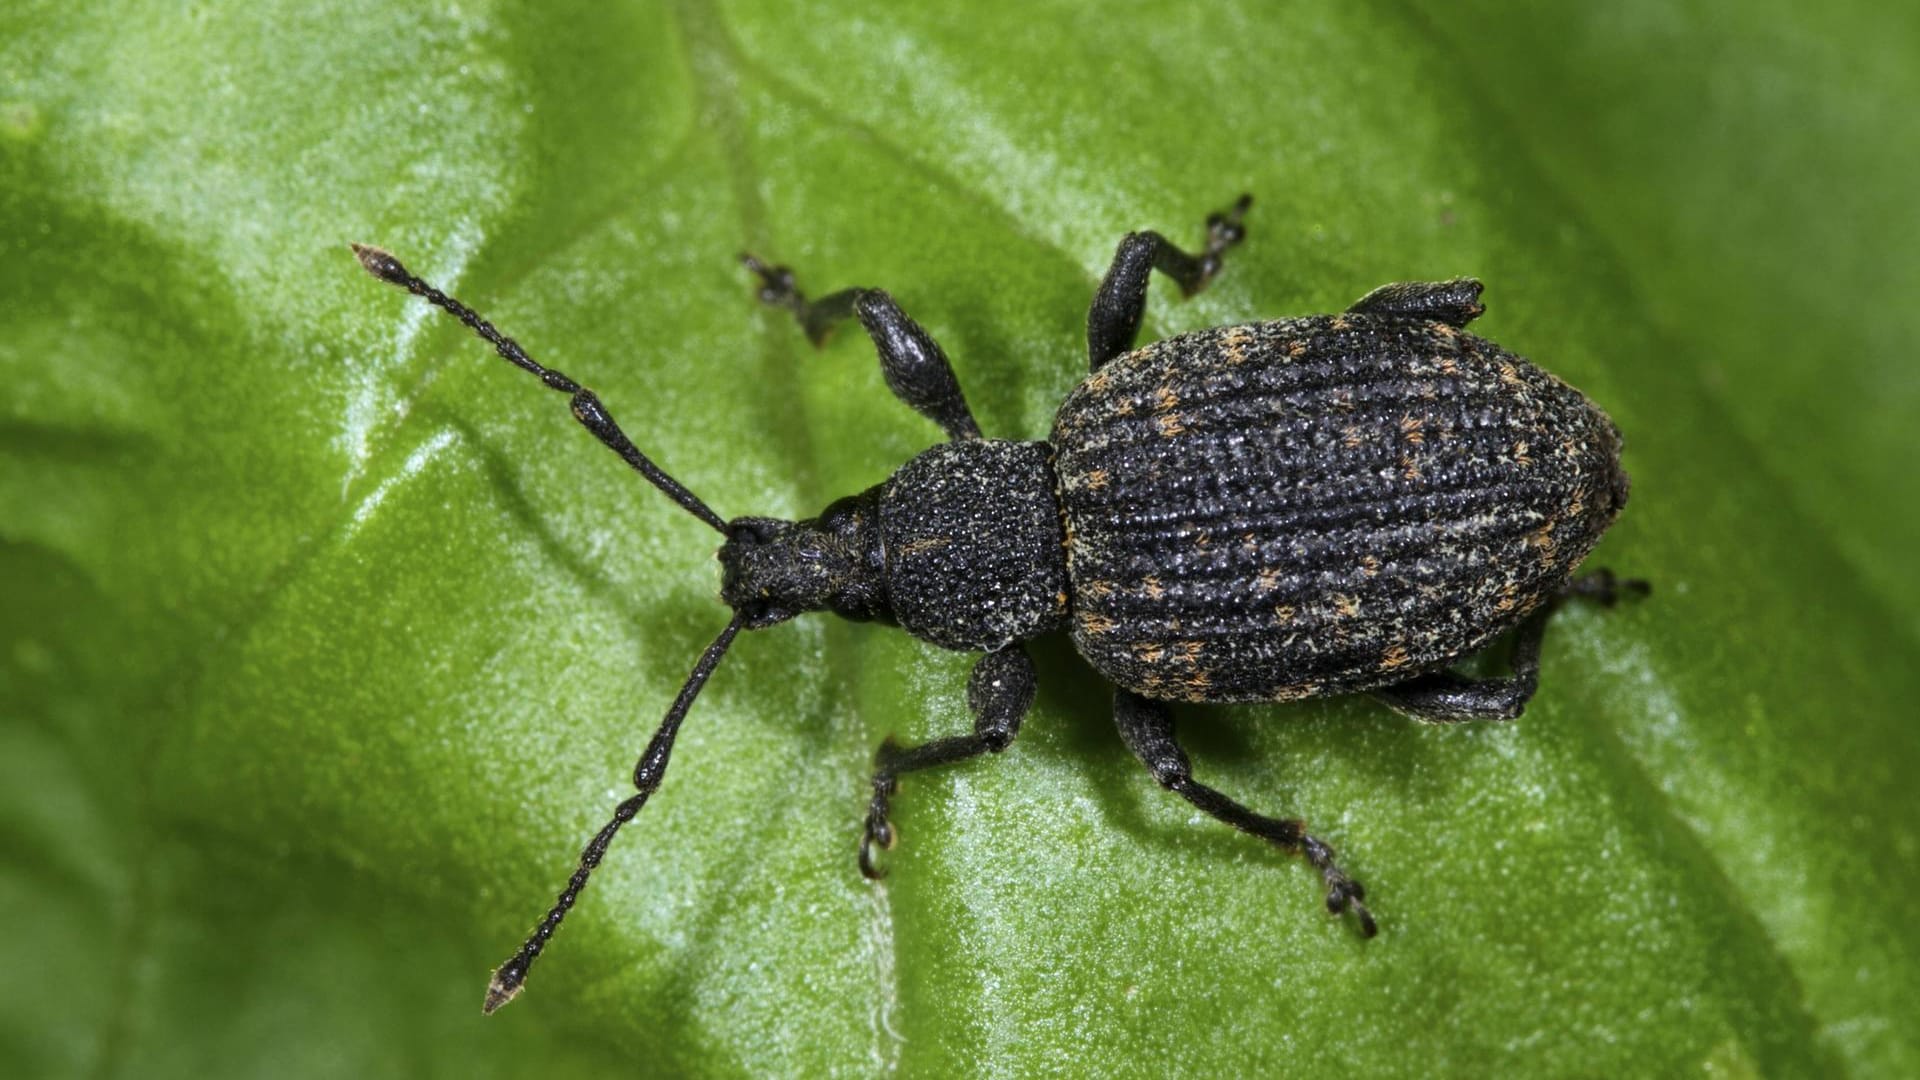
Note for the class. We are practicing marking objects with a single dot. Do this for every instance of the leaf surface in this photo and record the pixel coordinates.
(329, 638)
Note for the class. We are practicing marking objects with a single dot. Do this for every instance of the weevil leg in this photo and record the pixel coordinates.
(1114, 320)
(1444, 697)
(999, 692)
(1147, 728)
(778, 288)
(1455, 302)
(915, 366)
(1605, 588)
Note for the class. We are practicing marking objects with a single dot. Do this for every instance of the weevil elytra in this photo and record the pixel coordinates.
(1265, 512)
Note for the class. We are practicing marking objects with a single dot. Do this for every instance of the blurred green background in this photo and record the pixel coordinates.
(326, 638)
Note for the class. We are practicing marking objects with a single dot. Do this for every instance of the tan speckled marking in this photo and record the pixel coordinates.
(1511, 375)
(1099, 382)
(1340, 323)
(1295, 692)
(1165, 400)
(926, 544)
(1445, 330)
(1189, 651)
(1351, 436)
(1149, 653)
(1413, 429)
(1268, 580)
(1095, 480)
(1095, 623)
(1096, 590)
(1170, 424)
(1236, 342)
(1395, 657)
(1447, 365)
(1346, 605)
(1152, 588)
(1296, 350)
(1284, 613)
(1520, 455)
(1369, 565)
(1542, 538)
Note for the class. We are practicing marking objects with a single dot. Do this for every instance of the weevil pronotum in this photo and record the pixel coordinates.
(1263, 512)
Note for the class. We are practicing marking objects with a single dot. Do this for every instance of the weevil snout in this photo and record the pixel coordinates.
(773, 570)
(767, 573)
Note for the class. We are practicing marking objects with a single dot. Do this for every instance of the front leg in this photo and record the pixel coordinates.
(999, 692)
(1121, 302)
(915, 366)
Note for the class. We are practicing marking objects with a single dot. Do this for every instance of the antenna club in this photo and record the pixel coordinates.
(502, 989)
(381, 264)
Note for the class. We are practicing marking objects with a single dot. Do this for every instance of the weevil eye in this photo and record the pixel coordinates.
(758, 615)
(753, 530)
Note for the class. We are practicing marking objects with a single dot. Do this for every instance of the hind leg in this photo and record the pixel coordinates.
(1455, 302)
(1147, 728)
(1443, 697)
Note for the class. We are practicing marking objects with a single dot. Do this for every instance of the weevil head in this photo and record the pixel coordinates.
(772, 570)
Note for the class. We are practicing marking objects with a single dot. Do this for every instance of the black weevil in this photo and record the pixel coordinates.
(1264, 512)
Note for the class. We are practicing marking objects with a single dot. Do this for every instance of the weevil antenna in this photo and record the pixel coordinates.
(586, 405)
(510, 978)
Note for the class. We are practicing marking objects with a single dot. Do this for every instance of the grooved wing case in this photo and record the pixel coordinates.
(1320, 505)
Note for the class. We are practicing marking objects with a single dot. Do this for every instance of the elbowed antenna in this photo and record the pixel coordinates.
(586, 406)
(509, 979)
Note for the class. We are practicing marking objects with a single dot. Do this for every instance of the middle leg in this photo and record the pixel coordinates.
(1121, 302)
(1147, 728)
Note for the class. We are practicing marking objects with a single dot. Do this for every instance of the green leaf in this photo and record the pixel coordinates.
(328, 638)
